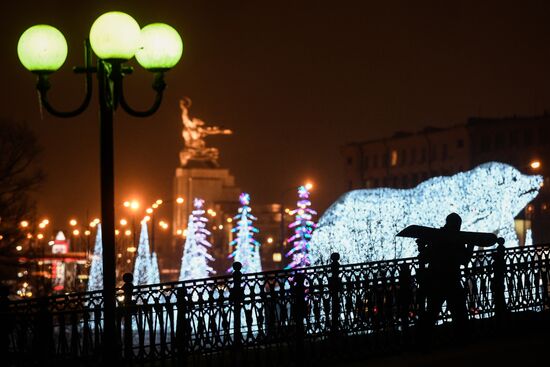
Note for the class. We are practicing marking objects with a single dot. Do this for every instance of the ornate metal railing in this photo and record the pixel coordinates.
(274, 317)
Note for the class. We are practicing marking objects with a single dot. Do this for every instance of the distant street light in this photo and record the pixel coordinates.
(115, 38)
(535, 164)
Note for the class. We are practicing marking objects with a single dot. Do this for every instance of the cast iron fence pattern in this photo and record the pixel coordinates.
(275, 317)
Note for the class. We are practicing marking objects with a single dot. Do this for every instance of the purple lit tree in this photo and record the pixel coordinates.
(303, 226)
(246, 248)
(194, 263)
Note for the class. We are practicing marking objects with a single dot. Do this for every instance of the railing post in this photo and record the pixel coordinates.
(420, 292)
(404, 296)
(335, 285)
(127, 311)
(299, 316)
(183, 328)
(545, 275)
(498, 279)
(237, 298)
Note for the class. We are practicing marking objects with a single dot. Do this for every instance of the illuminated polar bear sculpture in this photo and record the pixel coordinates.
(361, 225)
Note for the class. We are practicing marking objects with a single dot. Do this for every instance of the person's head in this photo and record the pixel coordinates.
(453, 222)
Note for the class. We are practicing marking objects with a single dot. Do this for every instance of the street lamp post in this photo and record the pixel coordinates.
(115, 38)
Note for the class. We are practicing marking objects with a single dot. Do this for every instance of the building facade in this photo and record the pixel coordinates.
(406, 159)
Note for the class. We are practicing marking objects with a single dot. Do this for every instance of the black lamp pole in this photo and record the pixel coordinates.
(109, 75)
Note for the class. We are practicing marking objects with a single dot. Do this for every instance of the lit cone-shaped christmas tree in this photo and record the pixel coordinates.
(142, 265)
(95, 278)
(303, 226)
(246, 248)
(154, 273)
(195, 259)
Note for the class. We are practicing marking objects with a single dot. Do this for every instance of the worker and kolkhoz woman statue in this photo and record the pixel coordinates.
(194, 132)
(441, 253)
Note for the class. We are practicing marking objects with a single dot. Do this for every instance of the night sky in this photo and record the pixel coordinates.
(295, 80)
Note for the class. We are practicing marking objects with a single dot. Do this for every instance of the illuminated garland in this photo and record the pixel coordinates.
(303, 226)
(194, 262)
(246, 248)
(361, 225)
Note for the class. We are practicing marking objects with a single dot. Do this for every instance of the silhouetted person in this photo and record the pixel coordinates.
(442, 278)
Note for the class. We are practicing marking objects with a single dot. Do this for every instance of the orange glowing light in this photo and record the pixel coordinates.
(535, 164)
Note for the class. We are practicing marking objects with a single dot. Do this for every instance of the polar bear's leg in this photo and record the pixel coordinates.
(509, 234)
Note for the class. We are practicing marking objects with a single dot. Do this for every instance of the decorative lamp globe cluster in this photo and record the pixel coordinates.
(114, 36)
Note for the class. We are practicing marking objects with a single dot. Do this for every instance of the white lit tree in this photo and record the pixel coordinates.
(361, 225)
(195, 259)
(95, 278)
(154, 273)
(246, 248)
(303, 226)
(142, 265)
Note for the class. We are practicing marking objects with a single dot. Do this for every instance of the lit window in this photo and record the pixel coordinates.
(393, 158)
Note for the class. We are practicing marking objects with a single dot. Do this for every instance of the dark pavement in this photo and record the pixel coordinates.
(525, 343)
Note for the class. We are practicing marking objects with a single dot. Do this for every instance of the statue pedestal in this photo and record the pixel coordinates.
(215, 185)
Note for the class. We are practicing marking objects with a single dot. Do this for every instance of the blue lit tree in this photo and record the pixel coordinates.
(95, 278)
(143, 266)
(246, 248)
(303, 226)
(195, 259)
